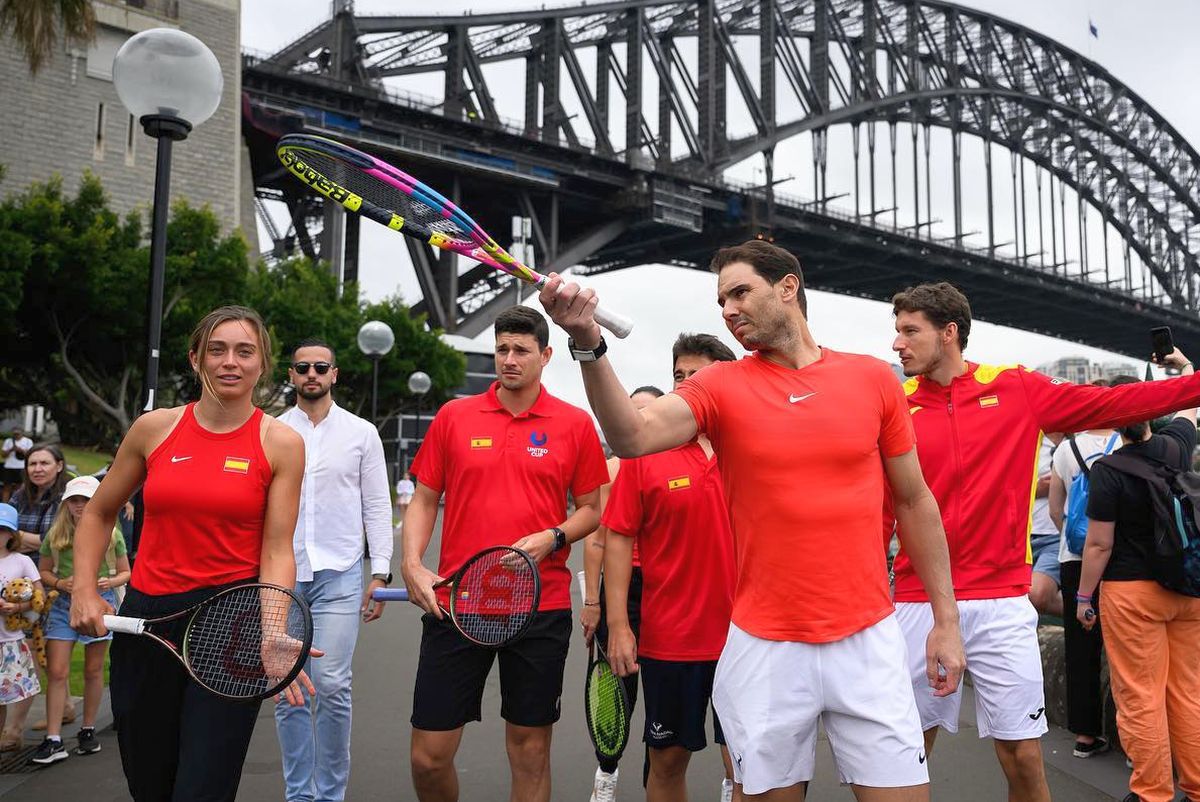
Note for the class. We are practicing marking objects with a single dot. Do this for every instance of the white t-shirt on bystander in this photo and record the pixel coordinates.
(14, 566)
(14, 460)
(1066, 465)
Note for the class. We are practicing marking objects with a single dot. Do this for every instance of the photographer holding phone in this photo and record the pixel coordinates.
(13, 451)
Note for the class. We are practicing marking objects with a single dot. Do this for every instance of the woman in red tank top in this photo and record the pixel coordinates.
(221, 484)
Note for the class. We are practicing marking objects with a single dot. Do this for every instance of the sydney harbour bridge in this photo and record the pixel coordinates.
(982, 152)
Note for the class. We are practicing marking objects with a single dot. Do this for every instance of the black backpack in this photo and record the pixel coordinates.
(1175, 498)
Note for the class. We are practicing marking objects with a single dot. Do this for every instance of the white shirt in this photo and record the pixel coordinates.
(12, 460)
(345, 493)
(1092, 447)
(1043, 524)
(405, 487)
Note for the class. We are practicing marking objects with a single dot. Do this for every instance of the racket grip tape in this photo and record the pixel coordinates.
(615, 322)
(125, 624)
(390, 594)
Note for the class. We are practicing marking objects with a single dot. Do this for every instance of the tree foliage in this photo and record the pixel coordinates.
(73, 312)
(34, 26)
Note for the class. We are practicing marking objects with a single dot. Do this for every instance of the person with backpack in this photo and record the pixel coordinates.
(1137, 538)
(1082, 649)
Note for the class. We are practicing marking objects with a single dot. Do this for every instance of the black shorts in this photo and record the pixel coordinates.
(452, 672)
(678, 696)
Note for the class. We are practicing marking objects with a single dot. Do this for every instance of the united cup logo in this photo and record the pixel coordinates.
(538, 449)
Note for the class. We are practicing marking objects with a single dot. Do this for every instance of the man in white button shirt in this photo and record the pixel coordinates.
(345, 494)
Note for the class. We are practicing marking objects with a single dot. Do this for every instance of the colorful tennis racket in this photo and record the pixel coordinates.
(493, 596)
(391, 197)
(245, 643)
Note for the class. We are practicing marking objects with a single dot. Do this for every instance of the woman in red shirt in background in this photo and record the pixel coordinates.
(222, 490)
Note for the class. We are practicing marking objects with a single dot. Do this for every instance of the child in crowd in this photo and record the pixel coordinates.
(57, 570)
(18, 679)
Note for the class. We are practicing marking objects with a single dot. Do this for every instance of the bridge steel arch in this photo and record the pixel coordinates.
(820, 64)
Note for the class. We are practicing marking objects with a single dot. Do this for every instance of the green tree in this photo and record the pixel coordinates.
(300, 300)
(73, 307)
(34, 26)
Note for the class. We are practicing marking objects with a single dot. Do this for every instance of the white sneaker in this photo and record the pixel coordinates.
(726, 790)
(604, 787)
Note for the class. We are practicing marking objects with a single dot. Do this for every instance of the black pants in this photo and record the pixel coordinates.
(634, 605)
(178, 741)
(1081, 652)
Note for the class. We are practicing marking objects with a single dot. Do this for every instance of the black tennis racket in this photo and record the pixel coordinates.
(493, 596)
(248, 642)
(605, 704)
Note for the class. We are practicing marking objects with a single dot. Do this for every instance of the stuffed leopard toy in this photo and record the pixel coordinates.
(20, 590)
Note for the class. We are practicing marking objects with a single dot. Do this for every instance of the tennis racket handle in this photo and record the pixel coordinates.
(390, 594)
(615, 322)
(123, 623)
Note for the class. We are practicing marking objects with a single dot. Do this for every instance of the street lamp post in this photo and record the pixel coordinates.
(375, 339)
(419, 384)
(172, 82)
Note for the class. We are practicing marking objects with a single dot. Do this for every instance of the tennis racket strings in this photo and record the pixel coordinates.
(378, 192)
(496, 596)
(607, 714)
(247, 643)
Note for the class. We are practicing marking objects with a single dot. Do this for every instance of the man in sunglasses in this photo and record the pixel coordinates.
(344, 496)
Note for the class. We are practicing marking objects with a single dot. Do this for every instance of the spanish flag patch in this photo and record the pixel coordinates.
(481, 442)
(237, 464)
(679, 483)
(989, 401)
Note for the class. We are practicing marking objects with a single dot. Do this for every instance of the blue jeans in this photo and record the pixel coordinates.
(315, 738)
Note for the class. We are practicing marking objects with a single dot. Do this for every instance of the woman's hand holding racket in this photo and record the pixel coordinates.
(280, 652)
(88, 609)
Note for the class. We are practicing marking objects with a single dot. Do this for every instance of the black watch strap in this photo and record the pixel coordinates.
(385, 578)
(586, 355)
(560, 538)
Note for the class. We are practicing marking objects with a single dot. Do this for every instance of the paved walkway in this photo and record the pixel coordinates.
(962, 768)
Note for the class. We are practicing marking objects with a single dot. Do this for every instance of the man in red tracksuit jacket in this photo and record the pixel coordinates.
(979, 431)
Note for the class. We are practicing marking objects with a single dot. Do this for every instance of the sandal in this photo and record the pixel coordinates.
(10, 744)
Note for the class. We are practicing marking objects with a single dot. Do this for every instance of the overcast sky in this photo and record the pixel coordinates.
(1151, 48)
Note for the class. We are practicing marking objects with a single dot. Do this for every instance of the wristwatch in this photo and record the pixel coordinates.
(585, 355)
(384, 578)
(560, 538)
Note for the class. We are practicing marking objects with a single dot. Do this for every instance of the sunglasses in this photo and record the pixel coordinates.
(301, 368)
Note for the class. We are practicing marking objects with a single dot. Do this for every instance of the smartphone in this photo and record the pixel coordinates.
(1162, 342)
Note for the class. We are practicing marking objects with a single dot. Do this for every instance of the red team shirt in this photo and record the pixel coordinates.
(206, 500)
(800, 454)
(505, 477)
(673, 505)
(979, 439)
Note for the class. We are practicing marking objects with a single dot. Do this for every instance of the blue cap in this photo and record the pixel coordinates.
(8, 517)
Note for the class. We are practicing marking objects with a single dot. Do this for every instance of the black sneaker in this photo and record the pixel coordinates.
(1087, 750)
(88, 743)
(50, 751)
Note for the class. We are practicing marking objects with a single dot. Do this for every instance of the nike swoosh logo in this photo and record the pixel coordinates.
(795, 398)
(921, 759)
(179, 459)
(1038, 714)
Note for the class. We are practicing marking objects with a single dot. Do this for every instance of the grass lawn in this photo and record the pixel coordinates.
(84, 460)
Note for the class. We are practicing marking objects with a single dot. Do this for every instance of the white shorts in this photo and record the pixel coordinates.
(1003, 658)
(770, 696)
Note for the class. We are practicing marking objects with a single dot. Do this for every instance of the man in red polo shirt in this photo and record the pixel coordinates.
(505, 461)
(807, 439)
(672, 506)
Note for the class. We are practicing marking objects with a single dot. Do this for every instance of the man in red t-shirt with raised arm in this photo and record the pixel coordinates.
(980, 430)
(672, 505)
(807, 439)
(505, 461)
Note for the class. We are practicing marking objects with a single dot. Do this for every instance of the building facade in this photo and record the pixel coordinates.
(68, 118)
